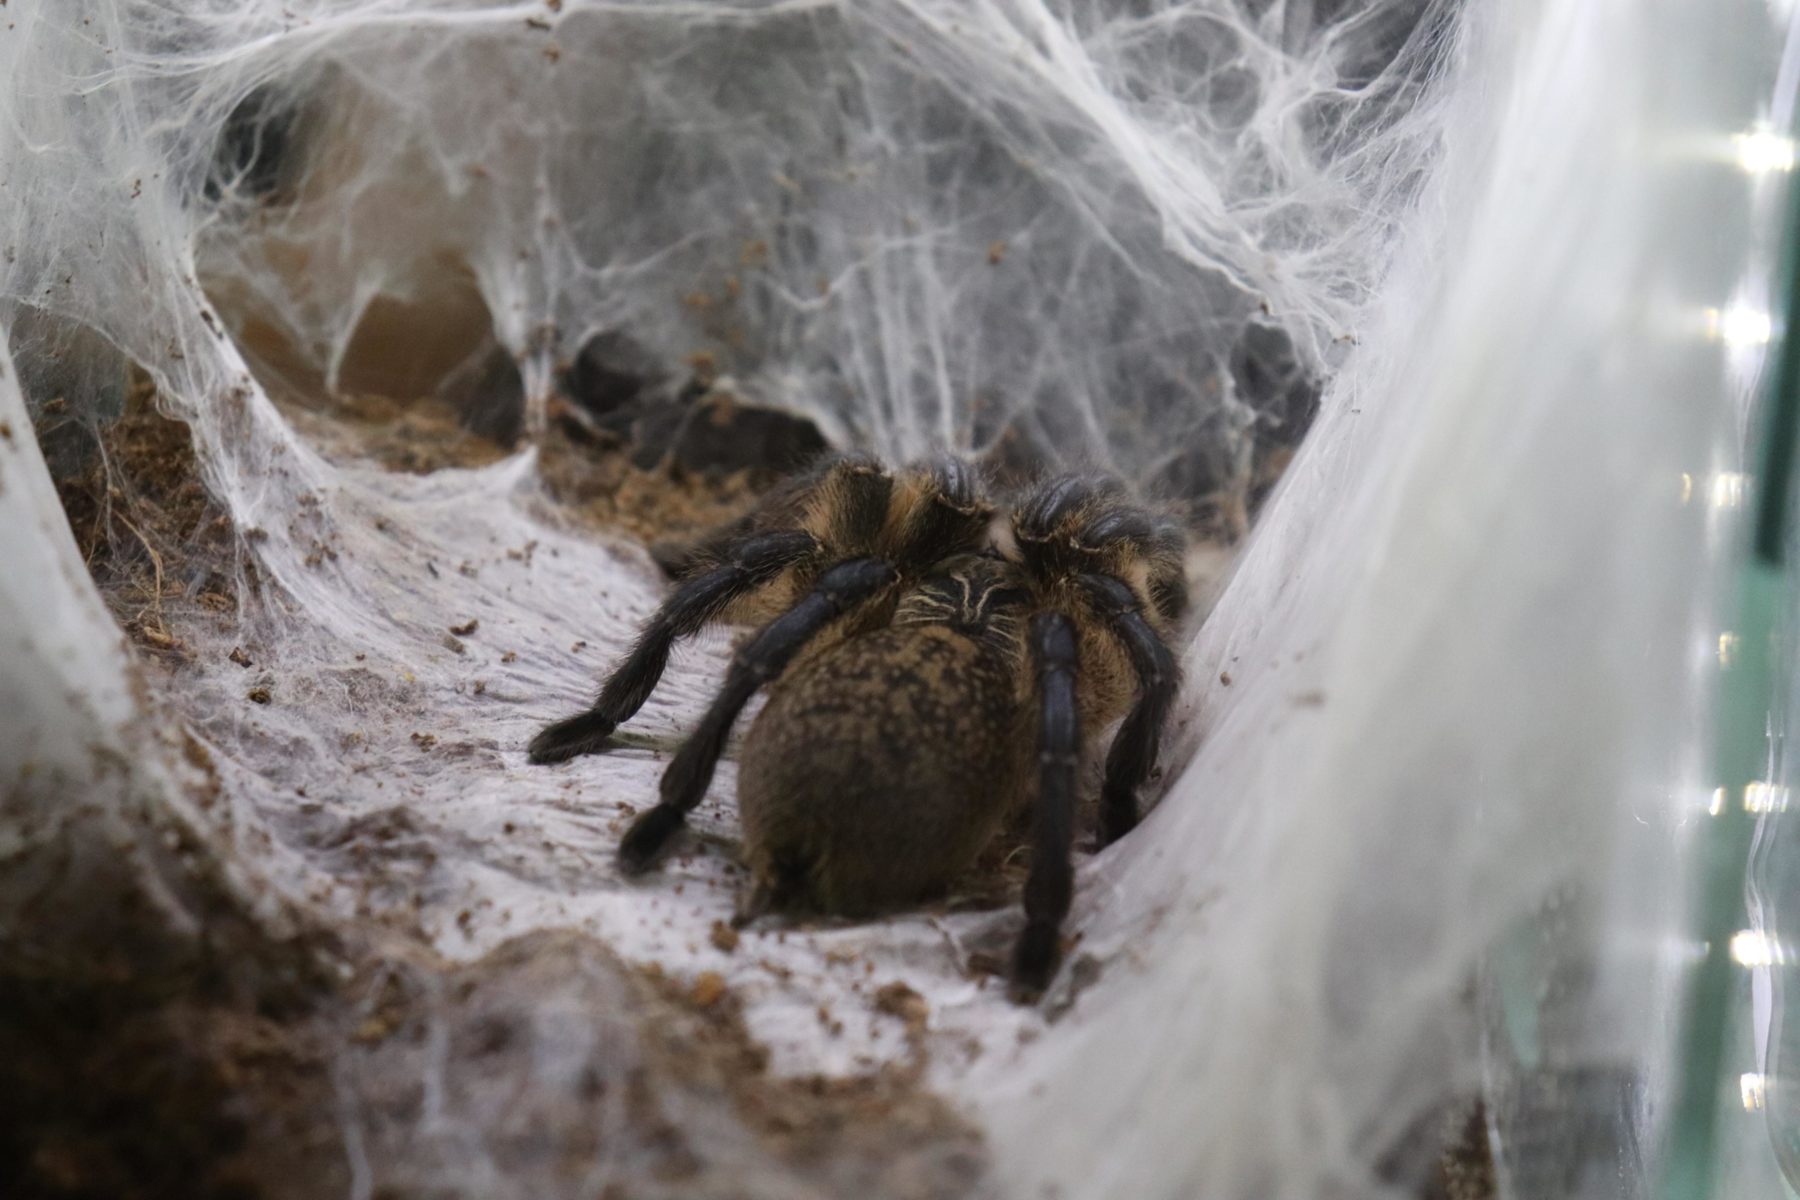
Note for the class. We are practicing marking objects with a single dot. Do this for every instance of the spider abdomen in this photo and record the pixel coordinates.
(877, 773)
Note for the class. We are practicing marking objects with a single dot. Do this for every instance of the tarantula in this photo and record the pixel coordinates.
(925, 656)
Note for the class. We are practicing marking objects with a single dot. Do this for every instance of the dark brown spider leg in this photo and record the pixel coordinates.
(839, 589)
(1135, 747)
(751, 563)
(1051, 884)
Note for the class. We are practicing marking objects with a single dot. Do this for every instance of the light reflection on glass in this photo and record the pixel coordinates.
(1763, 151)
(1728, 489)
(1755, 1091)
(1765, 798)
(1739, 325)
(1753, 948)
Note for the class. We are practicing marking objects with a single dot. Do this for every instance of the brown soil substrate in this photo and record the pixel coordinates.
(591, 477)
(549, 1064)
(665, 507)
(416, 437)
(159, 548)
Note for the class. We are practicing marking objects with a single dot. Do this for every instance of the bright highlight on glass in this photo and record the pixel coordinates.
(1728, 646)
(1765, 798)
(1739, 326)
(1729, 488)
(1752, 948)
(1755, 1091)
(1761, 152)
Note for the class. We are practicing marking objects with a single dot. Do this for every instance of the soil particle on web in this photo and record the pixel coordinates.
(708, 989)
(898, 1000)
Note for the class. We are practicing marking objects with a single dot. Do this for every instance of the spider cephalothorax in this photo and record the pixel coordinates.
(927, 675)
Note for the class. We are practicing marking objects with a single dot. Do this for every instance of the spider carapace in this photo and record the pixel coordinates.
(931, 667)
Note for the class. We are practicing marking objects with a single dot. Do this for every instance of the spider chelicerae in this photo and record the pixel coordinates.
(931, 668)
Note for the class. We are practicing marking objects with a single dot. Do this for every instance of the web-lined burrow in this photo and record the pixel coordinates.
(474, 319)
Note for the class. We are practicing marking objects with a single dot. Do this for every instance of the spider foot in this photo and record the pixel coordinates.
(646, 837)
(584, 733)
(1034, 962)
(1118, 817)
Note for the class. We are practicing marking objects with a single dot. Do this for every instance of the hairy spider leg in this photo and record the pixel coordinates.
(1135, 746)
(956, 517)
(838, 590)
(781, 508)
(1117, 525)
(1050, 504)
(749, 564)
(1051, 884)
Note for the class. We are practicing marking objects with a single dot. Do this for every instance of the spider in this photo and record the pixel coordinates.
(932, 668)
